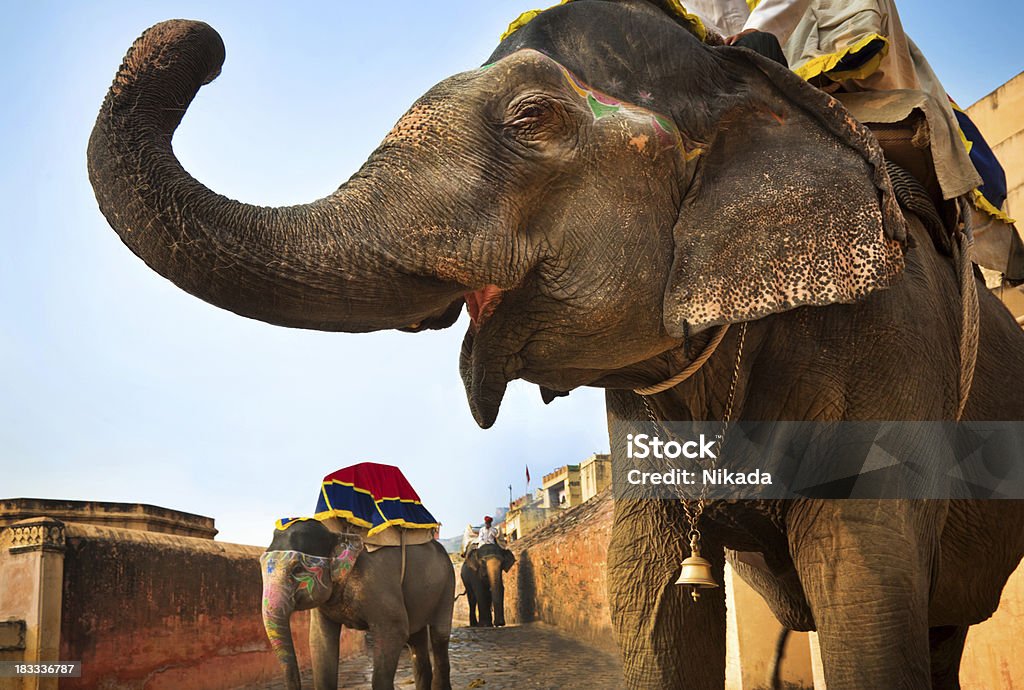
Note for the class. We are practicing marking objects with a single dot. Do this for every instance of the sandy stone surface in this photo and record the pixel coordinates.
(520, 657)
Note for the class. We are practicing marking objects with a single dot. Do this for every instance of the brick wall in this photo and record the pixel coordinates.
(560, 575)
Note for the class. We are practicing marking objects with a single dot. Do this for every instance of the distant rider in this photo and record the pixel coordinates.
(488, 534)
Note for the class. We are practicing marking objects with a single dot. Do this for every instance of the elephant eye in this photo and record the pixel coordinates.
(530, 112)
(535, 117)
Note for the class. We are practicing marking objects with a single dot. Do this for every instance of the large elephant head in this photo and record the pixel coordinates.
(603, 185)
(304, 566)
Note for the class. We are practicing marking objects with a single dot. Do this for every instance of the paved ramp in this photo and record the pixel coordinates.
(516, 657)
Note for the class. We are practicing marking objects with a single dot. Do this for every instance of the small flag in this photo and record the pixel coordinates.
(527, 474)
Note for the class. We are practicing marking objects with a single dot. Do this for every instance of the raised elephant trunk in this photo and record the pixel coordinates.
(328, 265)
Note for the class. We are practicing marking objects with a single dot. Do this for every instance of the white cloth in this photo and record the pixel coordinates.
(468, 538)
(729, 17)
(777, 17)
(725, 17)
(487, 535)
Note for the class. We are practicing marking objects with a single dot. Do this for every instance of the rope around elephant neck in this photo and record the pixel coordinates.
(691, 369)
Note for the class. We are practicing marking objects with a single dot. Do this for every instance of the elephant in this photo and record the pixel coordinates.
(482, 576)
(310, 567)
(604, 195)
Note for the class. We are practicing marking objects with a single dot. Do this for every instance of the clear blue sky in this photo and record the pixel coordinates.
(117, 386)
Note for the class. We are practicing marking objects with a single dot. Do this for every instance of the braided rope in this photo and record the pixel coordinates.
(690, 370)
(912, 196)
(969, 309)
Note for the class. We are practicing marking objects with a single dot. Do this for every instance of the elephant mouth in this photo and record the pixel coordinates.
(482, 303)
(489, 357)
(502, 345)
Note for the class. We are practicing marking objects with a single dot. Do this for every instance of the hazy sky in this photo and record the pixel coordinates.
(118, 386)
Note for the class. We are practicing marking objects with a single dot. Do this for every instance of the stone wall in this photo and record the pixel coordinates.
(560, 575)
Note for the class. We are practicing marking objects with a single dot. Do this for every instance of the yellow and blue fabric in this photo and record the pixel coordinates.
(285, 523)
(989, 197)
(690, 20)
(373, 496)
(857, 60)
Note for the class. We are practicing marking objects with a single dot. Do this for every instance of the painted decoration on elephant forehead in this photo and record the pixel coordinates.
(602, 105)
(306, 579)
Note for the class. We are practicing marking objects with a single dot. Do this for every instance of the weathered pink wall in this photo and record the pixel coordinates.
(560, 575)
(163, 612)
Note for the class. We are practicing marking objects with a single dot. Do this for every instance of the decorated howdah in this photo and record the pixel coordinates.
(372, 496)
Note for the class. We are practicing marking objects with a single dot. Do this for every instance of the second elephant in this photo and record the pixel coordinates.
(482, 576)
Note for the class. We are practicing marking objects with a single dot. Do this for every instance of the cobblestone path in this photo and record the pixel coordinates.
(517, 657)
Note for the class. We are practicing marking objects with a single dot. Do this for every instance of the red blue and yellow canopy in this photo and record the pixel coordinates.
(373, 496)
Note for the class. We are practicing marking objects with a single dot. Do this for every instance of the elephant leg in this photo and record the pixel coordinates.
(866, 568)
(440, 635)
(419, 645)
(324, 642)
(389, 637)
(667, 640)
(494, 576)
(471, 600)
(947, 646)
(483, 603)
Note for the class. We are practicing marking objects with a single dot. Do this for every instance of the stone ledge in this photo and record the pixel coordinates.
(34, 534)
(138, 516)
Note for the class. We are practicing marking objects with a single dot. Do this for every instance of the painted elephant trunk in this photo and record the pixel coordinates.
(327, 265)
(278, 606)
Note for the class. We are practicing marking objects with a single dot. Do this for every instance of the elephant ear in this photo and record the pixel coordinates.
(790, 205)
(344, 555)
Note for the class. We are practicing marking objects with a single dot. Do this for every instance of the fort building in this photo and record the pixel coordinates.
(562, 488)
(595, 475)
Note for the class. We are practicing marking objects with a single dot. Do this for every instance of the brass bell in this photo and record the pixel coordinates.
(696, 572)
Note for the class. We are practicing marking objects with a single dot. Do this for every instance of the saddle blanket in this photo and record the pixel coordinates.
(372, 496)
